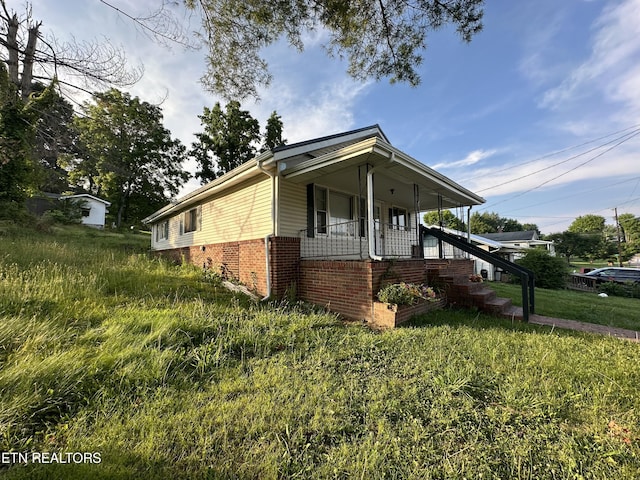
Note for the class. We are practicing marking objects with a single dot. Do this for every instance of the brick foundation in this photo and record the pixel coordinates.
(347, 287)
(245, 261)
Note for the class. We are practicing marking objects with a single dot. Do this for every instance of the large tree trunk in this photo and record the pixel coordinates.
(27, 63)
(12, 47)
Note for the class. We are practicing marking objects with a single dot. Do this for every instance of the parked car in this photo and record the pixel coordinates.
(610, 274)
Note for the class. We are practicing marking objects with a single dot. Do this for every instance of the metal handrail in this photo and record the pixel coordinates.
(527, 277)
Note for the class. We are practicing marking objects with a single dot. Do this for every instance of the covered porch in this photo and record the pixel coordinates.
(364, 201)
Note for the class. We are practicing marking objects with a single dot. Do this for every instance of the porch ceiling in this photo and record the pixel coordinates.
(394, 170)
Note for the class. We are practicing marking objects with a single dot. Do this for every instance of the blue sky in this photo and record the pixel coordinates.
(523, 115)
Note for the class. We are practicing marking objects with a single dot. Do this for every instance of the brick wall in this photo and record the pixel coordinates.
(244, 261)
(341, 286)
(284, 253)
(349, 287)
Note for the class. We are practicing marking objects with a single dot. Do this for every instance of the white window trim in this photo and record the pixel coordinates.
(198, 220)
(352, 199)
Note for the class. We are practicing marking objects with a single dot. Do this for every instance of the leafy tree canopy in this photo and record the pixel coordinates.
(381, 39)
(127, 155)
(494, 223)
(449, 220)
(230, 138)
(588, 224)
(273, 132)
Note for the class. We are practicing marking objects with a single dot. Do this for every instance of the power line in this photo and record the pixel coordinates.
(633, 133)
(565, 173)
(582, 192)
(552, 154)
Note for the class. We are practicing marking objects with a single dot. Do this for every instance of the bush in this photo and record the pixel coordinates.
(16, 213)
(550, 272)
(405, 293)
(627, 289)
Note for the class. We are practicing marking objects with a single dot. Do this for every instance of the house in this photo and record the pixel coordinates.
(523, 239)
(94, 209)
(328, 220)
(507, 245)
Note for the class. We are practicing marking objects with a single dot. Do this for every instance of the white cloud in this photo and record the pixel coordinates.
(614, 56)
(471, 159)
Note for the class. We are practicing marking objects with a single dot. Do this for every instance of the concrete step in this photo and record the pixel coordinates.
(482, 295)
(497, 305)
(513, 313)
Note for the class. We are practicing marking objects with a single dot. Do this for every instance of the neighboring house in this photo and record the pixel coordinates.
(94, 209)
(328, 220)
(508, 245)
(524, 239)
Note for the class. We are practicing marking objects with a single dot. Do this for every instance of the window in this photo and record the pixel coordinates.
(341, 214)
(333, 213)
(398, 218)
(86, 211)
(321, 210)
(191, 220)
(162, 230)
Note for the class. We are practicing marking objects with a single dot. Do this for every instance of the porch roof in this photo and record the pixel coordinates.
(391, 164)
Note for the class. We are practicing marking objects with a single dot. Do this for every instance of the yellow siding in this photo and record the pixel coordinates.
(292, 208)
(240, 213)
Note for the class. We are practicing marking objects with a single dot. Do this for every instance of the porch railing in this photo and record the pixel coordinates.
(526, 276)
(349, 240)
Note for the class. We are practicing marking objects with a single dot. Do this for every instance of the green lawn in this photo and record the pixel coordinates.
(166, 375)
(574, 305)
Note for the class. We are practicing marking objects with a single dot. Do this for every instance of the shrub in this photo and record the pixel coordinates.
(614, 289)
(406, 293)
(550, 272)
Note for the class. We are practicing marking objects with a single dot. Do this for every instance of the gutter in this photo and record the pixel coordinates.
(229, 179)
(273, 226)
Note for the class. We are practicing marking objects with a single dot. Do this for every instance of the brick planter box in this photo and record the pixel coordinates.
(388, 315)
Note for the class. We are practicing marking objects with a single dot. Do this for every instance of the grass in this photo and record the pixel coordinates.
(166, 375)
(588, 307)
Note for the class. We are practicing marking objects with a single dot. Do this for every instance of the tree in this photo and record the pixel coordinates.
(229, 139)
(493, 223)
(572, 244)
(55, 140)
(550, 272)
(380, 39)
(17, 135)
(273, 132)
(45, 59)
(588, 224)
(449, 220)
(631, 234)
(128, 156)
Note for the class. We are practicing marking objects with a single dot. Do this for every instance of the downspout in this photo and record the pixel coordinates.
(371, 222)
(469, 226)
(273, 228)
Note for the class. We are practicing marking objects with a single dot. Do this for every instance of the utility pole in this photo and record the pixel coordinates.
(618, 230)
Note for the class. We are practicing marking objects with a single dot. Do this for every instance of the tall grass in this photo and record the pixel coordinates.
(169, 376)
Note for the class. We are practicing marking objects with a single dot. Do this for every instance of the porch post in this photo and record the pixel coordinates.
(416, 208)
(370, 220)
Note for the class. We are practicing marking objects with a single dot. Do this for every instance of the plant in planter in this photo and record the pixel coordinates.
(406, 293)
(401, 301)
(475, 278)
